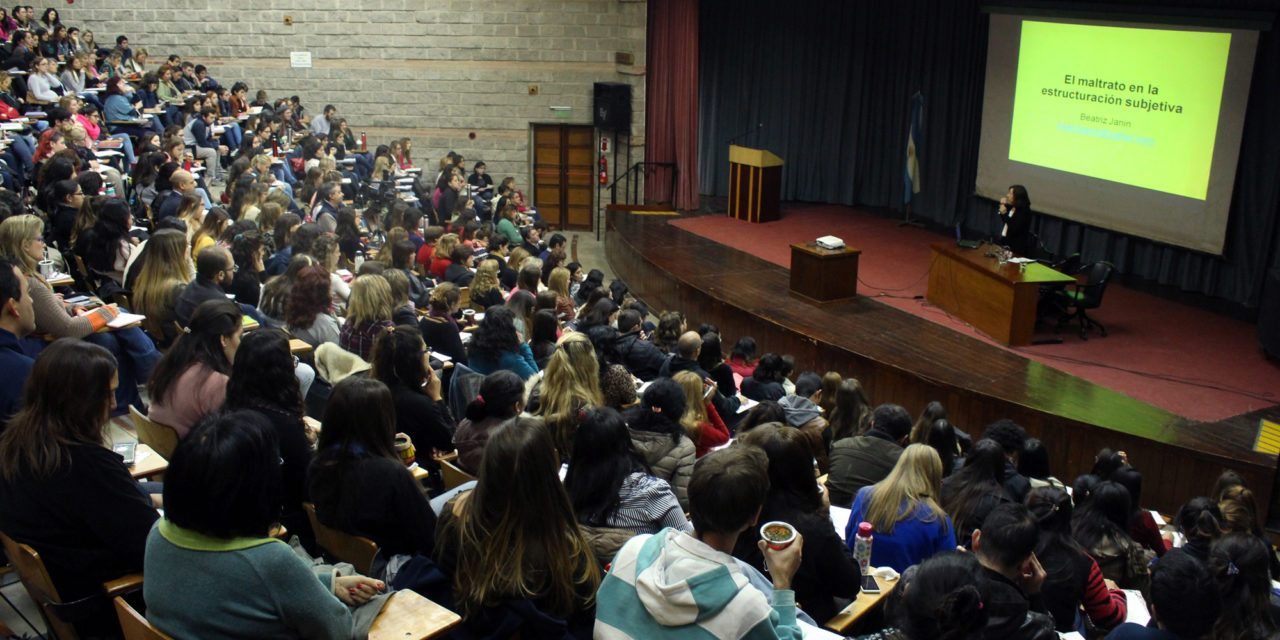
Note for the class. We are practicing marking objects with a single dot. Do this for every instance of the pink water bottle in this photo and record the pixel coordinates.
(862, 547)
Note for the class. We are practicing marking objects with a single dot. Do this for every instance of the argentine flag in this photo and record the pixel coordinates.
(915, 137)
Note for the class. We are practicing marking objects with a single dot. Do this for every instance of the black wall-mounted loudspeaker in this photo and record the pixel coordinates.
(612, 106)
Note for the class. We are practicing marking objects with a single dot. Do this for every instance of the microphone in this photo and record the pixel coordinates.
(749, 131)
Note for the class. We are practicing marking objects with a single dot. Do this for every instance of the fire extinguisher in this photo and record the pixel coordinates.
(604, 170)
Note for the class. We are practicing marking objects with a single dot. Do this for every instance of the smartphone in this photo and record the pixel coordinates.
(127, 450)
(869, 585)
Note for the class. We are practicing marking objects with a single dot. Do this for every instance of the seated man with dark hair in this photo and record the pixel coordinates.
(17, 319)
(214, 271)
(532, 238)
(1184, 602)
(639, 356)
(555, 241)
(1011, 438)
(674, 584)
(804, 414)
(861, 461)
(198, 135)
(1005, 546)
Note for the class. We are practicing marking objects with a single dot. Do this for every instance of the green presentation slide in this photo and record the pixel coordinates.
(1135, 106)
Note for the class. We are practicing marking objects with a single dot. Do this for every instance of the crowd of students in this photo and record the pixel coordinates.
(622, 462)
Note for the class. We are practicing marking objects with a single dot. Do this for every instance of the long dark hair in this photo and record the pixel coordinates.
(710, 355)
(1056, 549)
(852, 411)
(942, 437)
(1200, 520)
(65, 402)
(933, 412)
(981, 476)
(1105, 515)
(262, 376)
(111, 228)
(275, 293)
(1239, 563)
(200, 343)
(542, 335)
(744, 349)
(240, 191)
(1034, 460)
(397, 358)
(282, 235)
(496, 334)
(660, 409)
(346, 227)
(359, 422)
(1021, 200)
(944, 601)
(793, 489)
(770, 368)
(499, 392)
(517, 534)
(1131, 479)
(593, 481)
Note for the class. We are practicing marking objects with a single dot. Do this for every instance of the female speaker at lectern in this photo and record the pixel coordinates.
(1015, 214)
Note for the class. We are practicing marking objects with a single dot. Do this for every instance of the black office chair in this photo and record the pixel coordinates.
(1089, 296)
(1069, 264)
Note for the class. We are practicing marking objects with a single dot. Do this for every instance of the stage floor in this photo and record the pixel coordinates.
(1188, 361)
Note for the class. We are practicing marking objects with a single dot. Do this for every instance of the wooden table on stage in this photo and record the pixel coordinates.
(824, 276)
(997, 299)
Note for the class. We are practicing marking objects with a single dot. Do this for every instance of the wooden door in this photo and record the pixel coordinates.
(564, 174)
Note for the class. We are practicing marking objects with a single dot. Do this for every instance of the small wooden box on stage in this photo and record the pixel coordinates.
(824, 276)
(755, 184)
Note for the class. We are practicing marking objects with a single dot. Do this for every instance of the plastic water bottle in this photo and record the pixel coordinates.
(364, 142)
(862, 547)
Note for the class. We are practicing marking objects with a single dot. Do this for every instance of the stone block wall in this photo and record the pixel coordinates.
(436, 71)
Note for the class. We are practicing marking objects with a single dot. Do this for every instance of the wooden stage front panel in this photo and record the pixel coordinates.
(908, 360)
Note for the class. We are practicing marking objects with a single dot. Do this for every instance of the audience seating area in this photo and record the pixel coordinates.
(402, 368)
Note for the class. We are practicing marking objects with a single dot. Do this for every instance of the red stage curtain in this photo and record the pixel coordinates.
(671, 101)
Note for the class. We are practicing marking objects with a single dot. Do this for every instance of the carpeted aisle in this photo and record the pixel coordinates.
(1192, 362)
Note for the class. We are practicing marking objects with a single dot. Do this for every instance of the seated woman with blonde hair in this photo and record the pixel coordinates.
(369, 312)
(903, 508)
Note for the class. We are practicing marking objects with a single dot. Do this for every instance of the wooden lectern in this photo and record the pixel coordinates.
(755, 184)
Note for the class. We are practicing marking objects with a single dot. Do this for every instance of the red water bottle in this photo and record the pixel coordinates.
(364, 143)
(275, 147)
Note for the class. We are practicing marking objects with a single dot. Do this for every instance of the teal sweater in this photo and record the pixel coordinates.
(202, 587)
(506, 228)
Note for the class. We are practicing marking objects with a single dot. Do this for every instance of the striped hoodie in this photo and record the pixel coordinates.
(672, 585)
